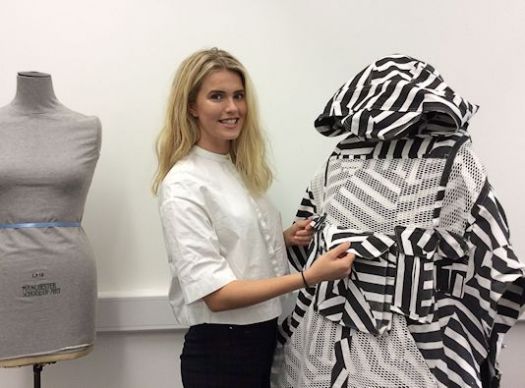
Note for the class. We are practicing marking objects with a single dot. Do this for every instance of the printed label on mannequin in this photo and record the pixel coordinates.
(40, 289)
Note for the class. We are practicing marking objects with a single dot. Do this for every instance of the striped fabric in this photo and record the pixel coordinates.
(386, 98)
(435, 277)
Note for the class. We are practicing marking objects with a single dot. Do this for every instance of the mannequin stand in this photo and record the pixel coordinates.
(37, 369)
(39, 362)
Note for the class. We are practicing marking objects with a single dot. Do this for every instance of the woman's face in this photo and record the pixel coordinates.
(220, 109)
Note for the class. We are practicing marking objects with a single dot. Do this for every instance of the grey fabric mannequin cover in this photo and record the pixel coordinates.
(48, 285)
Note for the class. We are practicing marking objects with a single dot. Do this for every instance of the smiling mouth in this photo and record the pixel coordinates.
(229, 121)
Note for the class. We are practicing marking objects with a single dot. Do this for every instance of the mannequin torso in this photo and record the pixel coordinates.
(47, 271)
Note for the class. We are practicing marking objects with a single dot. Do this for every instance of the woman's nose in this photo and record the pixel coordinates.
(232, 105)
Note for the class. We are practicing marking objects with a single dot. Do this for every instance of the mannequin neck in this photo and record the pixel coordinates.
(34, 93)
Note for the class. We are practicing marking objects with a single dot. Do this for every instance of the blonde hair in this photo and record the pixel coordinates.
(181, 132)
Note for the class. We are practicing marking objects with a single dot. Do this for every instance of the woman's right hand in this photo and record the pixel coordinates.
(334, 264)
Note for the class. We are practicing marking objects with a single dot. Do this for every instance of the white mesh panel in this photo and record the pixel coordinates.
(387, 361)
(317, 185)
(466, 180)
(377, 195)
(309, 356)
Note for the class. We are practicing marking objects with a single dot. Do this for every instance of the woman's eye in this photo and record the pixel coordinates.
(216, 96)
(239, 96)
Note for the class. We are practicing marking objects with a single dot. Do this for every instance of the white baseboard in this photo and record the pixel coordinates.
(141, 313)
(136, 313)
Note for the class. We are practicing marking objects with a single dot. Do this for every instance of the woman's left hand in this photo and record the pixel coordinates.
(300, 233)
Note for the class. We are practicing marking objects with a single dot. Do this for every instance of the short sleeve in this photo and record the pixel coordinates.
(192, 244)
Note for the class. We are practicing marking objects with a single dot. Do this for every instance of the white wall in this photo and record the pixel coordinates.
(115, 59)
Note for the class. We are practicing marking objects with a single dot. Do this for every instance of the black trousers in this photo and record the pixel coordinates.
(229, 356)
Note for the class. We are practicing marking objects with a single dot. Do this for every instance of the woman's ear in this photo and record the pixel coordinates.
(193, 111)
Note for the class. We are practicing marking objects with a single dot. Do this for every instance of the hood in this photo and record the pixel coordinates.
(394, 97)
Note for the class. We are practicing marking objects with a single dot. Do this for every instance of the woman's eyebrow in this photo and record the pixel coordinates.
(223, 91)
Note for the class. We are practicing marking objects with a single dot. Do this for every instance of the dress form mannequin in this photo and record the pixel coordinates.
(48, 285)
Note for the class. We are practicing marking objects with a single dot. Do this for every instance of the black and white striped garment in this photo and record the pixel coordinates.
(435, 284)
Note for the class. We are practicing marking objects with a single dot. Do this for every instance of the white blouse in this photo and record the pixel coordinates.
(216, 232)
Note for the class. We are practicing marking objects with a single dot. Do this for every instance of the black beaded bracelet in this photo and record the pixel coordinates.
(304, 280)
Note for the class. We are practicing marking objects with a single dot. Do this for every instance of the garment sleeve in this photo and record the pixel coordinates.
(193, 247)
(497, 287)
(298, 255)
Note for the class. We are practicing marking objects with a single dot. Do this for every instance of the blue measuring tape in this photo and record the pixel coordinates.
(26, 225)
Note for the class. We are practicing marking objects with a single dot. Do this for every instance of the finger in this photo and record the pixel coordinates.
(302, 224)
(303, 238)
(309, 226)
(340, 249)
(349, 258)
(303, 233)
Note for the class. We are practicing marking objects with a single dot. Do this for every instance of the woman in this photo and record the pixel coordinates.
(224, 240)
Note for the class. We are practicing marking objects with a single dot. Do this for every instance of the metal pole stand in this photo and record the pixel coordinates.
(37, 370)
